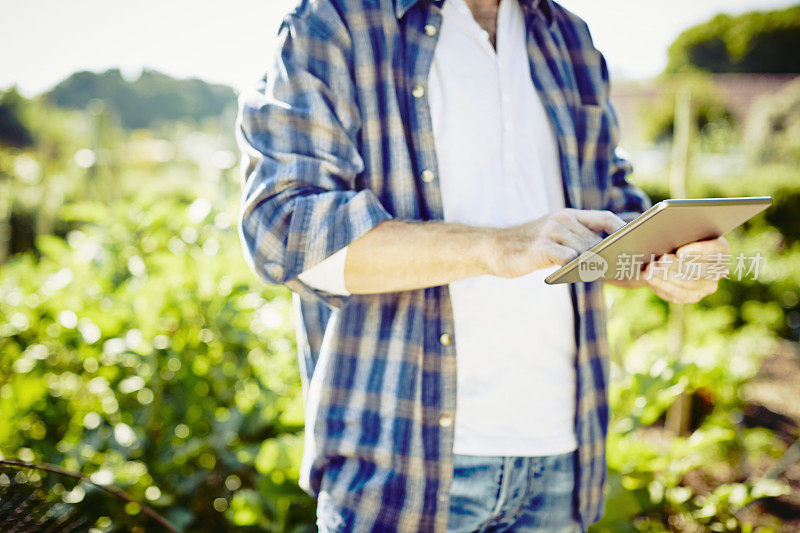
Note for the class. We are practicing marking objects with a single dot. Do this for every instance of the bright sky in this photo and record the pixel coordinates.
(43, 41)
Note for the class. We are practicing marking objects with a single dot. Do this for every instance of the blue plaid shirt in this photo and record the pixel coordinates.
(337, 136)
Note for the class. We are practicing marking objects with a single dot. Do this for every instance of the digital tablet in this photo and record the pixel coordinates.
(661, 229)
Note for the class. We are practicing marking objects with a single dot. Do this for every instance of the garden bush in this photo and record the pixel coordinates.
(139, 351)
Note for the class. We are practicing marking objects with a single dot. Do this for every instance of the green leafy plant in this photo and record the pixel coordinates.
(136, 351)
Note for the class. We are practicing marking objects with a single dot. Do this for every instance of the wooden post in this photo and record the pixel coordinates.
(682, 136)
(679, 413)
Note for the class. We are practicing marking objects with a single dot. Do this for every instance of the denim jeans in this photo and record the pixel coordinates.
(488, 494)
(520, 494)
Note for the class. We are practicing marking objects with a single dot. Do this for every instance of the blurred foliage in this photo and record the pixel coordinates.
(773, 128)
(754, 42)
(135, 344)
(713, 119)
(136, 350)
(147, 101)
(659, 482)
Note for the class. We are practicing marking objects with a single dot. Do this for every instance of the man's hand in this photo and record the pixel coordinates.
(554, 239)
(685, 284)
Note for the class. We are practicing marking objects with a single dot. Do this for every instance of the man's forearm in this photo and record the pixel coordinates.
(406, 255)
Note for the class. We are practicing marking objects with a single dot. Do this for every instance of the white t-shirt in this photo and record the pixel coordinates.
(498, 166)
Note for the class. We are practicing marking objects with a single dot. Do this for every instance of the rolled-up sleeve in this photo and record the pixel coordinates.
(298, 132)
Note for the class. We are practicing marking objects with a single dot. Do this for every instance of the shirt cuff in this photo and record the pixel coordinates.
(328, 275)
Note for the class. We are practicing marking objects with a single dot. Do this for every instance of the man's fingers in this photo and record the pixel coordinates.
(678, 287)
(559, 254)
(705, 286)
(578, 229)
(580, 240)
(599, 220)
(586, 238)
(672, 292)
(708, 247)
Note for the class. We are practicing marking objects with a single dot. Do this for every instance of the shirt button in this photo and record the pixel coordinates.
(418, 91)
(445, 421)
(427, 176)
(445, 339)
(430, 29)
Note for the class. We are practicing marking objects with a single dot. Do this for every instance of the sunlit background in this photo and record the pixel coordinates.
(44, 41)
(138, 351)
